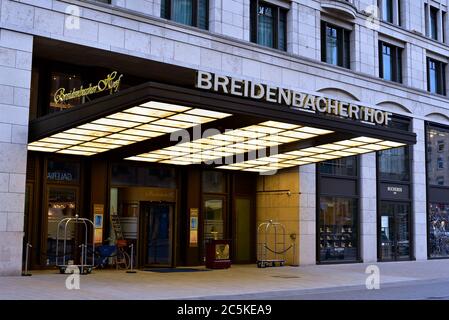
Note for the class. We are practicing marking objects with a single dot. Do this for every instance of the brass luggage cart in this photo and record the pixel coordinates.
(271, 244)
(65, 263)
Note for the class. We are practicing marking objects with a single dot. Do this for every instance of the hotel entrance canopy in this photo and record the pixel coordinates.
(167, 124)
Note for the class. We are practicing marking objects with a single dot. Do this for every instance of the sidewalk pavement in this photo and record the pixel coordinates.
(238, 280)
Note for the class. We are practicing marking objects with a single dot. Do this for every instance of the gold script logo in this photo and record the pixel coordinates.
(111, 83)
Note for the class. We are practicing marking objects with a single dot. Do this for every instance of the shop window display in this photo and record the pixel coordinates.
(439, 230)
(338, 229)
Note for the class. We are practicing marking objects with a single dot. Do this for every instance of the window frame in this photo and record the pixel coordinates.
(254, 23)
(396, 56)
(440, 69)
(343, 44)
(195, 13)
(433, 11)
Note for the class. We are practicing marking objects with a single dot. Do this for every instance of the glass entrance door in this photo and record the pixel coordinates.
(157, 233)
(62, 203)
(394, 231)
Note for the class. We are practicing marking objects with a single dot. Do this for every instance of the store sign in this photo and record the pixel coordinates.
(59, 176)
(396, 192)
(111, 83)
(291, 98)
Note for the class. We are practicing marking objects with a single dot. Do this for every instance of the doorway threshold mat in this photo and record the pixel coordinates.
(172, 270)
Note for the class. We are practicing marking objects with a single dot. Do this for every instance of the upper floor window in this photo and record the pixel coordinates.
(387, 10)
(433, 30)
(335, 45)
(436, 77)
(434, 22)
(390, 62)
(390, 11)
(268, 25)
(190, 12)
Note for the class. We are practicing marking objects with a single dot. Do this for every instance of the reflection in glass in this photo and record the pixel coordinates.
(433, 23)
(213, 219)
(158, 236)
(395, 231)
(61, 204)
(331, 45)
(387, 10)
(433, 77)
(387, 61)
(340, 167)
(144, 176)
(182, 11)
(394, 164)
(265, 28)
(338, 229)
(438, 230)
(214, 182)
(438, 156)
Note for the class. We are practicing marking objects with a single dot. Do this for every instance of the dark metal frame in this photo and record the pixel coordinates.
(379, 200)
(356, 197)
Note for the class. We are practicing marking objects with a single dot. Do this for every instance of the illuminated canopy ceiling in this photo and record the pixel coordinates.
(144, 123)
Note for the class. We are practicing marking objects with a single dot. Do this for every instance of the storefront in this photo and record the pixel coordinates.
(180, 161)
(395, 200)
(437, 190)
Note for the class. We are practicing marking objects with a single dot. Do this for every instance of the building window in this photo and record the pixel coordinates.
(189, 12)
(387, 10)
(437, 156)
(441, 146)
(390, 62)
(338, 211)
(433, 27)
(390, 11)
(440, 162)
(436, 77)
(268, 25)
(335, 45)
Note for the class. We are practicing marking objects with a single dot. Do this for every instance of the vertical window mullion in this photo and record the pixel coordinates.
(276, 27)
(323, 41)
(381, 59)
(394, 63)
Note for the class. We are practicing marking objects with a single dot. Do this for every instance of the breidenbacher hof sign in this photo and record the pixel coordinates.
(291, 98)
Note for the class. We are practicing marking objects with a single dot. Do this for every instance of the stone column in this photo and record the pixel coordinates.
(215, 16)
(15, 80)
(293, 29)
(368, 204)
(419, 209)
(307, 215)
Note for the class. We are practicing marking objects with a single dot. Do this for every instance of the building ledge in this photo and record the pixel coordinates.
(340, 7)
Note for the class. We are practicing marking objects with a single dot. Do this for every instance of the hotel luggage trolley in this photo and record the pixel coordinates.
(271, 245)
(63, 265)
